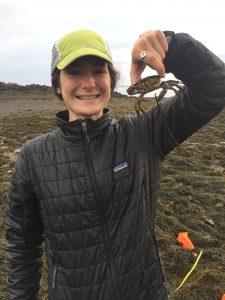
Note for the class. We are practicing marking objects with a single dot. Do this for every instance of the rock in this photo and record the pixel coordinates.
(189, 198)
(16, 151)
(219, 205)
(210, 222)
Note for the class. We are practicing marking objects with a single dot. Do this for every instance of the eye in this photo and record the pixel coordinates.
(100, 70)
(73, 72)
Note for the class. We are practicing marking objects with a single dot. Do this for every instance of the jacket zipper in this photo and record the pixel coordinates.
(100, 208)
(55, 268)
(158, 257)
(151, 228)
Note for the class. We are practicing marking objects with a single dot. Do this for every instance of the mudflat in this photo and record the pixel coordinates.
(14, 106)
(191, 199)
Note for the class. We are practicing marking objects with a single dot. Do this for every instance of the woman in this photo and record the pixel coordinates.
(89, 188)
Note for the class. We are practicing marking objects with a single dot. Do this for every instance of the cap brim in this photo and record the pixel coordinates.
(79, 53)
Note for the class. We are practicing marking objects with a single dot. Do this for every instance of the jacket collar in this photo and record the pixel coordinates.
(74, 130)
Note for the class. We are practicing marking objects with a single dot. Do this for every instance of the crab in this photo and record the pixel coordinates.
(151, 83)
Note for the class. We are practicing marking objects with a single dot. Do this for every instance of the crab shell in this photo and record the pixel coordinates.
(144, 85)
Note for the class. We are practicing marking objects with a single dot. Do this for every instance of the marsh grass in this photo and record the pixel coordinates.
(192, 192)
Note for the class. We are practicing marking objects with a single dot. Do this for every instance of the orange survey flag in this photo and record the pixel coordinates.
(185, 242)
(223, 297)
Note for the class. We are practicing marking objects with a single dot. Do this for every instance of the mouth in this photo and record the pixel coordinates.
(88, 97)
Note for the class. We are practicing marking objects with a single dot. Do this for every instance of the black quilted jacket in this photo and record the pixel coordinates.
(89, 190)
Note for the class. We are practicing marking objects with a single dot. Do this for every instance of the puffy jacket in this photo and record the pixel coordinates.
(89, 189)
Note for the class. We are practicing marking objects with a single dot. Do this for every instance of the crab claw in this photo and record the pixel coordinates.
(132, 91)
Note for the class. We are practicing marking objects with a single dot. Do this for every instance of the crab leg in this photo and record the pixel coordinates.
(168, 86)
(168, 129)
(138, 107)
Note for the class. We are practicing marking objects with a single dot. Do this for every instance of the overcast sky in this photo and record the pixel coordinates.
(29, 28)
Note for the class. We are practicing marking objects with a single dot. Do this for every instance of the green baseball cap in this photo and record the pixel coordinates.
(76, 44)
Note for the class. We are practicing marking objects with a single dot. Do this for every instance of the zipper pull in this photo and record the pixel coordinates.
(84, 126)
(54, 276)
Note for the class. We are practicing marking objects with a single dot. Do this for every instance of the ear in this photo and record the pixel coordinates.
(59, 90)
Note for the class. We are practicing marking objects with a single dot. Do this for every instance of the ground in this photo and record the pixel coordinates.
(192, 194)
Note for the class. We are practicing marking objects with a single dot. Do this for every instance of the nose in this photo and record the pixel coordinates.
(88, 81)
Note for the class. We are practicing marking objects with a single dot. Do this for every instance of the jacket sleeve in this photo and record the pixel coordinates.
(23, 228)
(203, 75)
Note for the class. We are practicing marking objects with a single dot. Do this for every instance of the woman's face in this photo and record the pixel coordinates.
(85, 87)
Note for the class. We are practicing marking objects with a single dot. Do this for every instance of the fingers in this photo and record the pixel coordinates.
(154, 41)
(152, 61)
(156, 63)
(136, 71)
(155, 45)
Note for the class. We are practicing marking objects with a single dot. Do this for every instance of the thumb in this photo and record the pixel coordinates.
(136, 71)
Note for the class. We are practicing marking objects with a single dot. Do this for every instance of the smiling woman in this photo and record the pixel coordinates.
(89, 188)
(85, 88)
(114, 76)
(83, 75)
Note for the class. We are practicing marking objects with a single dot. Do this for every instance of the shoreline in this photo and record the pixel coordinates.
(8, 107)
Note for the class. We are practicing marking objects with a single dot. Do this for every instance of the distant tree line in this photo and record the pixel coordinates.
(117, 94)
(7, 87)
(15, 87)
(23, 88)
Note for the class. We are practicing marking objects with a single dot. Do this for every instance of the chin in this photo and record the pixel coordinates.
(92, 114)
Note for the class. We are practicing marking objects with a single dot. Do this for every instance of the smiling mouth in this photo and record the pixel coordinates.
(88, 97)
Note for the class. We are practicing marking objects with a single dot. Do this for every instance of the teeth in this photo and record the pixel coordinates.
(87, 97)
